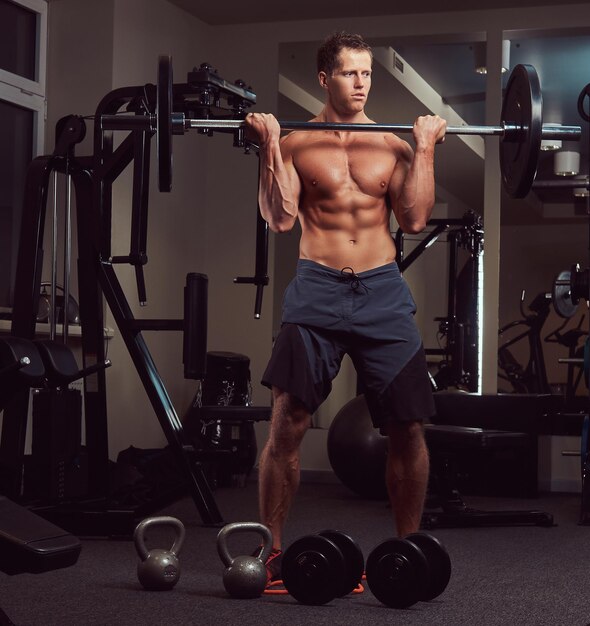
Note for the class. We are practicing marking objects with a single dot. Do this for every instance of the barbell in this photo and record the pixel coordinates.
(521, 129)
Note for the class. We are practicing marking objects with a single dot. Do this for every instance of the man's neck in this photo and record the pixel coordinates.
(329, 114)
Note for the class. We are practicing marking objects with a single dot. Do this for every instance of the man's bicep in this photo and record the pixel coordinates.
(398, 178)
(292, 173)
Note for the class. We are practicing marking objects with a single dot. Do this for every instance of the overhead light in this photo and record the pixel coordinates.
(479, 54)
(566, 163)
(548, 145)
(582, 192)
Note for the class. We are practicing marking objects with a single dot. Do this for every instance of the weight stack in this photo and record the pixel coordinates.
(232, 443)
(57, 468)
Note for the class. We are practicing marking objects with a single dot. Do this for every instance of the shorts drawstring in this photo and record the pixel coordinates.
(348, 274)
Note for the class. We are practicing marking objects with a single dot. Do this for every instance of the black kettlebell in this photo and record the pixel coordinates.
(244, 576)
(159, 569)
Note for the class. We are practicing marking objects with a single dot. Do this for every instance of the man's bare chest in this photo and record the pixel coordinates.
(333, 164)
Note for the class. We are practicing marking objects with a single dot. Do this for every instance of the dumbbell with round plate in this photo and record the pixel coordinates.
(401, 572)
(318, 568)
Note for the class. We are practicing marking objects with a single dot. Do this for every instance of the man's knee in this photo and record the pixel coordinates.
(403, 434)
(290, 418)
(289, 405)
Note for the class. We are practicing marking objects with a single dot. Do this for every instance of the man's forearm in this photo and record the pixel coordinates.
(277, 199)
(418, 192)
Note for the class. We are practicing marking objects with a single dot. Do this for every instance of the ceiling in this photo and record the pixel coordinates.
(561, 60)
(240, 12)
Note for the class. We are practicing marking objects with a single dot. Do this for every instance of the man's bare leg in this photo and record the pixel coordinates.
(407, 475)
(279, 462)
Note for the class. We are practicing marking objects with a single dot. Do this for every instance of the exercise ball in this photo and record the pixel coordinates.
(357, 451)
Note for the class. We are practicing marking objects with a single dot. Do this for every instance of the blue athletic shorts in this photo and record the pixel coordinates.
(369, 316)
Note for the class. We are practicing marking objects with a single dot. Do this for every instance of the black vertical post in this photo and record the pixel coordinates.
(164, 409)
(194, 354)
(93, 336)
(24, 312)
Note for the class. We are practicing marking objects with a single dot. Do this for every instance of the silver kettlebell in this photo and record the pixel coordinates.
(159, 569)
(244, 576)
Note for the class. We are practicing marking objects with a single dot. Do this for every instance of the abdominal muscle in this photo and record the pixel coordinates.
(355, 236)
(343, 204)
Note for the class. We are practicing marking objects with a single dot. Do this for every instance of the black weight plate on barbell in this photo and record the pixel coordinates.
(354, 562)
(581, 110)
(439, 564)
(561, 296)
(584, 441)
(311, 569)
(164, 123)
(587, 362)
(580, 283)
(519, 151)
(397, 573)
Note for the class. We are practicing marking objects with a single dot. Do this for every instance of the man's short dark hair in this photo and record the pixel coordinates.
(333, 45)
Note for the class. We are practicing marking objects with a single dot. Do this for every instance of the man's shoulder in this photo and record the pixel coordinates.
(398, 144)
(291, 141)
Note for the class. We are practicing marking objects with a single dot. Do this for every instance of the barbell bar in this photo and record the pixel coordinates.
(508, 132)
(521, 129)
(180, 124)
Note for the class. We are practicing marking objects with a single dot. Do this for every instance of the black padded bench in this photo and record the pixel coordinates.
(467, 424)
(466, 437)
(30, 544)
(235, 413)
(497, 453)
(504, 428)
(512, 412)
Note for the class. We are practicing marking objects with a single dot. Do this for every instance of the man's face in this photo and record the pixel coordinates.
(349, 85)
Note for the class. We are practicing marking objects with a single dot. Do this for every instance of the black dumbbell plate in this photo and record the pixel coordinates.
(311, 570)
(354, 562)
(397, 573)
(439, 564)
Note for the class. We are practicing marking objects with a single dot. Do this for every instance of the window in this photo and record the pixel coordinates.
(23, 40)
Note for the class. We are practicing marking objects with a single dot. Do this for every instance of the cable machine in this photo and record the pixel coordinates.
(92, 178)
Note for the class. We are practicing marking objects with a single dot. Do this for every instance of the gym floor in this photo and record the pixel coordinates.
(506, 575)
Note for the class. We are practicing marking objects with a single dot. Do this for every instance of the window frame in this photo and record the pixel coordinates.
(28, 94)
(26, 85)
